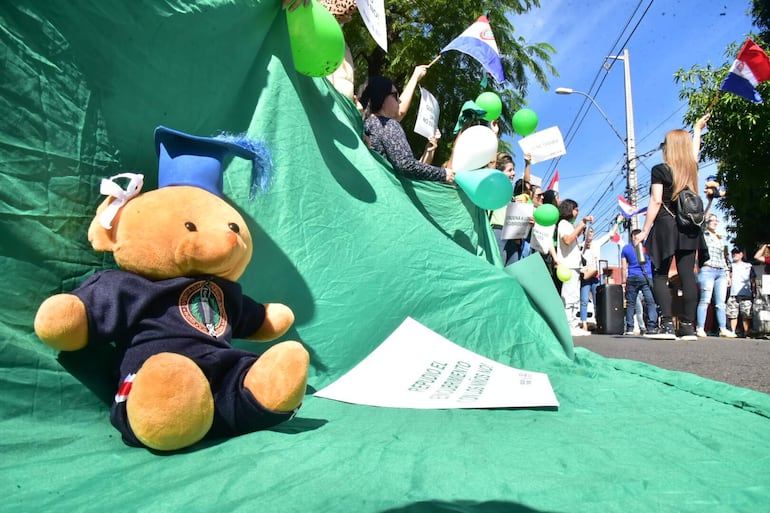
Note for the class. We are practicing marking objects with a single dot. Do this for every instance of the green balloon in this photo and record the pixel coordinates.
(564, 273)
(546, 215)
(525, 122)
(491, 103)
(317, 43)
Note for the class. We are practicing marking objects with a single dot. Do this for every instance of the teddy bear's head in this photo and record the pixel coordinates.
(175, 231)
(185, 227)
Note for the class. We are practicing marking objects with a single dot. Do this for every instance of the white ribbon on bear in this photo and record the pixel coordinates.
(111, 188)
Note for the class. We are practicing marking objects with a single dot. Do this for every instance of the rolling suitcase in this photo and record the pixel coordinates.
(609, 312)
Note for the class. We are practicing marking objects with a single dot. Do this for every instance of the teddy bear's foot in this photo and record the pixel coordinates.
(279, 377)
(170, 405)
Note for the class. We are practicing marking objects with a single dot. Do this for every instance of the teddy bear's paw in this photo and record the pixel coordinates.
(278, 320)
(170, 405)
(278, 379)
(62, 323)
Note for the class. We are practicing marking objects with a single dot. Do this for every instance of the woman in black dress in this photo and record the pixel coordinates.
(664, 239)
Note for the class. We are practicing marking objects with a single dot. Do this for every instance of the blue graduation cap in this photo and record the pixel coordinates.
(185, 159)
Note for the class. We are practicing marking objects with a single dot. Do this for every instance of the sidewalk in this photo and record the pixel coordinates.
(742, 361)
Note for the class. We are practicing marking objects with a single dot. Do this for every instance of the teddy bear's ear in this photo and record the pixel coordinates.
(101, 238)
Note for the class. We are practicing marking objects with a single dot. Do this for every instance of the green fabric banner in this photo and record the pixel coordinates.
(353, 250)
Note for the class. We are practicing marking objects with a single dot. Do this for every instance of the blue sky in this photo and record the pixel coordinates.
(661, 36)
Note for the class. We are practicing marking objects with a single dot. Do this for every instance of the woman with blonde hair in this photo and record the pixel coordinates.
(665, 240)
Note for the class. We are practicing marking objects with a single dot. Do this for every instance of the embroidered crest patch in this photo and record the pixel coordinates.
(202, 305)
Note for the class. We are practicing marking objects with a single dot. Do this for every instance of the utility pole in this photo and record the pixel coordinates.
(632, 182)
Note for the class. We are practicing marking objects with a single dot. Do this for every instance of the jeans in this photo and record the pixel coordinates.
(713, 282)
(587, 286)
(634, 285)
(511, 250)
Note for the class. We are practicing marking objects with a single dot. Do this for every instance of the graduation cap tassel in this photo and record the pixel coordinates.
(261, 162)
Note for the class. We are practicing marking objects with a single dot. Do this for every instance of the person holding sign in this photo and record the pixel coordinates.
(382, 112)
(511, 249)
(568, 253)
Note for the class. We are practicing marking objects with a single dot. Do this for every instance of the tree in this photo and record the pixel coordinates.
(418, 29)
(736, 139)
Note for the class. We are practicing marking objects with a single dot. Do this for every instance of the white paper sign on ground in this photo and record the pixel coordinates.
(373, 14)
(427, 114)
(418, 368)
(543, 145)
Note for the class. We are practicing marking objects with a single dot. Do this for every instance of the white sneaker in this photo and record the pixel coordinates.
(579, 332)
(725, 333)
(700, 332)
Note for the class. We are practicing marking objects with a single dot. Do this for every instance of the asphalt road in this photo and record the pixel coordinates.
(742, 361)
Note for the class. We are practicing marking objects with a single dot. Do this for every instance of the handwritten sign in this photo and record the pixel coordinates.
(517, 220)
(542, 238)
(543, 145)
(416, 367)
(373, 14)
(427, 114)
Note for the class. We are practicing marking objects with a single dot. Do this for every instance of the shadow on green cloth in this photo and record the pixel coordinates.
(463, 507)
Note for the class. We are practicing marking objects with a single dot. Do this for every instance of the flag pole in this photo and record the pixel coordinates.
(713, 102)
(434, 61)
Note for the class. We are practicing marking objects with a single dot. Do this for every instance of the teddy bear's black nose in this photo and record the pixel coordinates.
(191, 226)
(234, 227)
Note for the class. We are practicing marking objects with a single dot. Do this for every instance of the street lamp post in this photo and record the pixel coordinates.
(629, 141)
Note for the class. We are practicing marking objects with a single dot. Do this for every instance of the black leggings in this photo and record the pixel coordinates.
(685, 265)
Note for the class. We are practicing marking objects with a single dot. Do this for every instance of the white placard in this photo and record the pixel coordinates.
(543, 145)
(373, 14)
(542, 238)
(427, 114)
(765, 284)
(516, 224)
(418, 368)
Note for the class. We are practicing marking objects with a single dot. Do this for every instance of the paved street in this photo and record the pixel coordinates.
(741, 362)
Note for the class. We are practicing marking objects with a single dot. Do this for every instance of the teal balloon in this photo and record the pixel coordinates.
(488, 188)
(525, 122)
(564, 273)
(491, 103)
(317, 43)
(546, 215)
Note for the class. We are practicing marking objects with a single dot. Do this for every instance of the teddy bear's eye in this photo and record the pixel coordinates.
(234, 227)
(191, 226)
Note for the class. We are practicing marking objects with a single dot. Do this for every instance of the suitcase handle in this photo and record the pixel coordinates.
(601, 273)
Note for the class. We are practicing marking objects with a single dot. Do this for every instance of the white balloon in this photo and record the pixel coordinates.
(474, 148)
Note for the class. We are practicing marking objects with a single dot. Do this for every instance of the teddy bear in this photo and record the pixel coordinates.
(173, 305)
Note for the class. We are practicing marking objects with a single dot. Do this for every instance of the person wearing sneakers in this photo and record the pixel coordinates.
(663, 237)
(568, 254)
(638, 278)
(743, 289)
(714, 280)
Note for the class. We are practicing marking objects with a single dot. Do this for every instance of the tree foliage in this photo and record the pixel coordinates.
(419, 29)
(736, 139)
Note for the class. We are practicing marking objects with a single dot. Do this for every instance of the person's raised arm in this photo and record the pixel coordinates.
(406, 95)
(697, 130)
(760, 254)
(572, 237)
(656, 200)
(527, 167)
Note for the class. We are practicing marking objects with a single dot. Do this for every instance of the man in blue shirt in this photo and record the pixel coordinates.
(638, 278)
